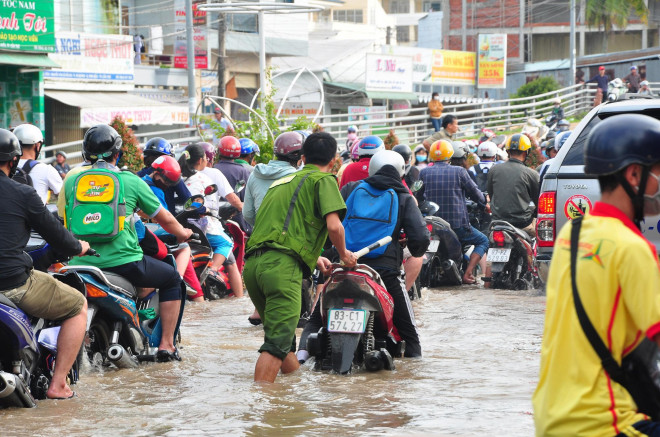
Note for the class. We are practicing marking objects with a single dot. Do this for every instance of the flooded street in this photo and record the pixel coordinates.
(481, 355)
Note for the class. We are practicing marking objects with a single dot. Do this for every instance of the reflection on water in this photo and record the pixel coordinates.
(481, 353)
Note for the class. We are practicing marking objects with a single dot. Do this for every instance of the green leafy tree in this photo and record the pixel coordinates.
(131, 156)
(537, 86)
(255, 128)
(609, 13)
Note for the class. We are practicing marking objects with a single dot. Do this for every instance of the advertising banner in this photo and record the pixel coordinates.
(452, 67)
(90, 57)
(199, 35)
(27, 25)
(362, 113)
(389, 73)
(422, 60)
(492, 61)
(165, 115)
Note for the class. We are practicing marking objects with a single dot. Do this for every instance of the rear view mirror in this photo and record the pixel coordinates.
(239, 186)
(211, 189)
(194, 202)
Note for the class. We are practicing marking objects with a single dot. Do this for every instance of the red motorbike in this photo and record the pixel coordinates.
(357, 321)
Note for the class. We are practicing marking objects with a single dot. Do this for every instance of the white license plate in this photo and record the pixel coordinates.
(499, 255)
(433, 246)
(350, 321)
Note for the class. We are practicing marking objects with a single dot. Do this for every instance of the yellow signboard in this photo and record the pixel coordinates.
(453, 67)
(492, 61)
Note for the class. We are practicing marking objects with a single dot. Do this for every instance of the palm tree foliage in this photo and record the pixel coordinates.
(609, 13)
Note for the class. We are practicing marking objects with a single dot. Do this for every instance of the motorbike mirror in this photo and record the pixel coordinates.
(194, 202)
(211, 189)
(428, 208)
(416, 186)
(239, 186)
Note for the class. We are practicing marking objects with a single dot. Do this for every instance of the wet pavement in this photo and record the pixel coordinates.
(481, 355)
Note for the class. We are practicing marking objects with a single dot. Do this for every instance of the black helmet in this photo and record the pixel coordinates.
(404, 151)
(9, 146)
(100, 141)
(621, 140)
(158, 146)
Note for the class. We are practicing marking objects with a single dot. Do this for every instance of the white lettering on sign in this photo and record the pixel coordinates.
(92, 218)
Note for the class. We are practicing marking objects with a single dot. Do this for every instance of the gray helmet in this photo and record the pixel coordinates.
(460, 149)
(387, 157)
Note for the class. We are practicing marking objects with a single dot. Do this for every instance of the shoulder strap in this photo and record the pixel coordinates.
(294, 198)
(608, 362)
(29, 165)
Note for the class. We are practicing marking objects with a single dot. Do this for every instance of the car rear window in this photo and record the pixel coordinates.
(575, 155)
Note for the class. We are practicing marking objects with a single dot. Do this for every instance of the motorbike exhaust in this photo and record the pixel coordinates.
(14, 392)
(120, 358)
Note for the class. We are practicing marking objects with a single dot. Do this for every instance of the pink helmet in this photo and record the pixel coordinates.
(209, 150)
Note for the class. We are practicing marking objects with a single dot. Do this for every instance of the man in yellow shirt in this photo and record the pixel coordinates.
(618, 279)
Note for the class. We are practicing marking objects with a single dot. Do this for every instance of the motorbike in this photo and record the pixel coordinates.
(551, 122)
(28, 345)
(357, 321)
(446, 258)
(512, 254)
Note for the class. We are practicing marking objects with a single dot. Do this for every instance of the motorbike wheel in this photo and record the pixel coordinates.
(97, 342)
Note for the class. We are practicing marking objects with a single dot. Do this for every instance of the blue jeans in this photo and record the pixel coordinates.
(437, 123)
(472, 236)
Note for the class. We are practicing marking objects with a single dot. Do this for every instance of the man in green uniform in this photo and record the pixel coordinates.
(296, 217)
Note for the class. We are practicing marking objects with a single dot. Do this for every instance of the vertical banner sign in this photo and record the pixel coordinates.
(389, 73)
(452, 67)
(492, 61)
(199, 35)
(27, 25)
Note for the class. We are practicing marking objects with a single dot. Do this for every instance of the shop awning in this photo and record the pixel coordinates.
(26, 60)
(97, 107)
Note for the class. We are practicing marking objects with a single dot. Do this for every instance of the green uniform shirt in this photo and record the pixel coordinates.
(305, 233)
(125, 248)
(514, 192)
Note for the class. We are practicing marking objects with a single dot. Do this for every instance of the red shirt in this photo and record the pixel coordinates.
(355, 171)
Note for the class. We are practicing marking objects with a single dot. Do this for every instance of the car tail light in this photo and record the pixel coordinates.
(545, 224)
(498, 238)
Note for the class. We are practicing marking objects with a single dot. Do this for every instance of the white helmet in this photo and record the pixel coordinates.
(556, 101)
(387, 157)
(487, 149)
(460, 149)
(28, 134)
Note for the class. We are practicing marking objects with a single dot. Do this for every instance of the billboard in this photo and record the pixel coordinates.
(27, 25)
(89, 57)
(452, 67)
(492, 61)
(199, 35)
(389, 73)
(422, 60)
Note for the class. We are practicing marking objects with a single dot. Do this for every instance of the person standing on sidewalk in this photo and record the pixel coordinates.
(435, 111)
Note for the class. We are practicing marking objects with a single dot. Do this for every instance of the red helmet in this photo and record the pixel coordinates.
(168, 169)
(229, 147)
(209, 150)
(288, 144)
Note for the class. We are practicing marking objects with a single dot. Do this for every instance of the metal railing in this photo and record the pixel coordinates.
(413, 125)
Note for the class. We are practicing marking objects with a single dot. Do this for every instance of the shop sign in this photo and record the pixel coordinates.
(199, 35)
(27, 25)
(452, 67)
(389, 73)
(492, 61)
(93, 58)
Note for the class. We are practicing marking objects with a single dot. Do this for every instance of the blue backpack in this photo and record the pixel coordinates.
(371, 214)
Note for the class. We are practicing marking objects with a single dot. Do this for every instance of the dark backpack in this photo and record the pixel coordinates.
(22, 174)
(482, 177)
(371, 214)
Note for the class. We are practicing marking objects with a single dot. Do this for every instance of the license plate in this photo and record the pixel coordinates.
(499, 255)
(349, 321)
(433, 246)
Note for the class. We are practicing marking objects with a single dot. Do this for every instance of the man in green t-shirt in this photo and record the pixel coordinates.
(123, 255)
(296, 217)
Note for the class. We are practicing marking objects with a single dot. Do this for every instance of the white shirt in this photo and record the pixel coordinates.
(196, 184)
(219, 180)
(44, 177)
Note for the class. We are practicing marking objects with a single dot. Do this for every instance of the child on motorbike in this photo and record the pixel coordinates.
(193, 161)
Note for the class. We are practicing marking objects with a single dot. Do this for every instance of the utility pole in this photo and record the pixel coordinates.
(572, 44)
(222, 28)
(190, 47)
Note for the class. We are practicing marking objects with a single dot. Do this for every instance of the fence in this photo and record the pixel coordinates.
(412, 126)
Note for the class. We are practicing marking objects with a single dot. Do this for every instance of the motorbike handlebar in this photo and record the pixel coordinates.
(383, 241)
(92, 252)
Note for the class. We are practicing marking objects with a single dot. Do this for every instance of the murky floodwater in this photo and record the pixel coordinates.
(481, 354)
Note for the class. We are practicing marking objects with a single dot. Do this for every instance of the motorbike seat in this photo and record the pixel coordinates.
(501, 225)
(5, 301)
(122, 283)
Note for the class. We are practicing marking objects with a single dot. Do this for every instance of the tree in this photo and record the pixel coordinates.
(609, 13)
(540, 85)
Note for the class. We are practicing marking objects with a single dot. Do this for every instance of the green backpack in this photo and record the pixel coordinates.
(95, 208)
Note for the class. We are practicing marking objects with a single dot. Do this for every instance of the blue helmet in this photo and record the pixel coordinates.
(561, 139)
(158, 146)
(352, 128)
(247, 146)
(370, 145)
